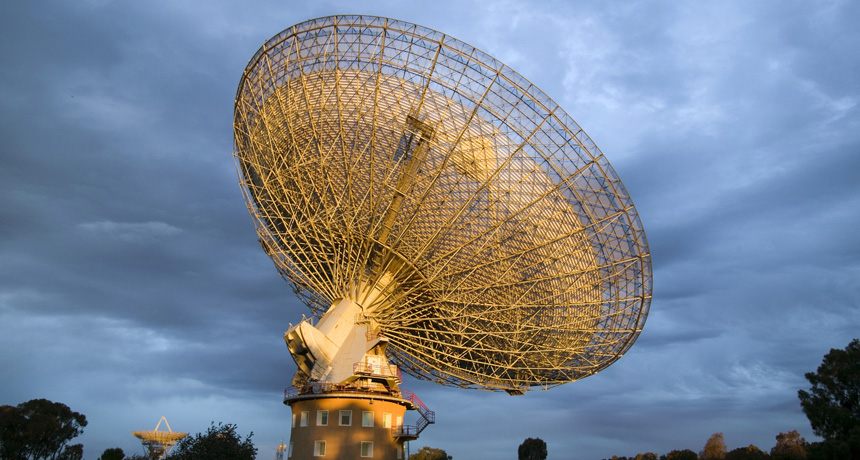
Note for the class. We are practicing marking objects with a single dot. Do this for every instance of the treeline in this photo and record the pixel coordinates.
(40, 430)
(789, 446)
(832, 406)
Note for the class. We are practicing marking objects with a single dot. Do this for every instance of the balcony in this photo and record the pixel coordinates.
(376, 370)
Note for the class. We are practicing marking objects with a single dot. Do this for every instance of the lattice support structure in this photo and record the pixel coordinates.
(476, 225)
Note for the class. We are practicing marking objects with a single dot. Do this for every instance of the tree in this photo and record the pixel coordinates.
(40, 429)
(646, 456)
(832, 404)
(789, 446)
(113, 453)
(13, 443)
(532, 449)
(750, 452)
(715, 448)
(73, 452)
(218, 443)
(685, 454)
(837, 448)
(140, 457)
(430, 453)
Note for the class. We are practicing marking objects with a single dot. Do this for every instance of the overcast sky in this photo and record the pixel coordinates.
(132, 285)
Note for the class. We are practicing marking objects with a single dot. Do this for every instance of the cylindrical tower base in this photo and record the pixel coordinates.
(348, 427)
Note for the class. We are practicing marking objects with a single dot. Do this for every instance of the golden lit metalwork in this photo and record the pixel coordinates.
(159, 443)
(468, 217)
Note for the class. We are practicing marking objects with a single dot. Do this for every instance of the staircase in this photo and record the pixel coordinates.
(427, 417)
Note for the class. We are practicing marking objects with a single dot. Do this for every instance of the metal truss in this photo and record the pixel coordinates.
(479, 228)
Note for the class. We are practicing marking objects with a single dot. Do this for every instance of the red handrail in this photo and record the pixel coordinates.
(412, 397)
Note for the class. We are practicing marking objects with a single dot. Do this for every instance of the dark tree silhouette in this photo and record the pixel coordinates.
(73, 452)
(750, 452)
(847, 447)
(113, 453)
(218, 443)
(832, 404)
(40, 429)
(532, 449)
(685, 454)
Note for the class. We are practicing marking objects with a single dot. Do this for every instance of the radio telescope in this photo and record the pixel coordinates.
(436, 211)
(159, 443)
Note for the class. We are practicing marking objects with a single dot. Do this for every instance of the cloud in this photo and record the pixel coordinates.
(130, 231)
(132, 284)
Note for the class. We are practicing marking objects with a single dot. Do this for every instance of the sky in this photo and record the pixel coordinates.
(132, 285)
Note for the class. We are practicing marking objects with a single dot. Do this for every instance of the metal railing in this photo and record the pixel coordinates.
(373, 334)
(387, 370)
(404, 431)
(326, 388)
(427, 416)
(408, 395)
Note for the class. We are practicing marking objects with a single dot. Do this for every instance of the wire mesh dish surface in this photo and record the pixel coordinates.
(481, 230)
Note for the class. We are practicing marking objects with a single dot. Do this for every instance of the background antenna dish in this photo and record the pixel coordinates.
(159, 443)
(403, 178)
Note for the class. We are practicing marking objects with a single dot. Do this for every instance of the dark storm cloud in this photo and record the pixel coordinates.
(132, 285)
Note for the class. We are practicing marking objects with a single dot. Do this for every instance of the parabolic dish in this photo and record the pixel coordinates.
(159, 437)
(482, 231)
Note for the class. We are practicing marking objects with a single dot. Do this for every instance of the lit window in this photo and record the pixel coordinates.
(294, 420)
(290, 451)
(322, 418)
(304, 419)
(367, 448)
(319, 448)
(345, 417)
(386, 420)
(367, 418)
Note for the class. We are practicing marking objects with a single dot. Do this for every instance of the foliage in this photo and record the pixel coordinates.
(837, 448)
(789, 446)
(832, 404)
(113, 453)
(12, 443)
(218, 443)
(40, 429)
(750, 452)
(685, 454)
(715, 448)
(430, 453)
(73, 452)
(532, 449)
